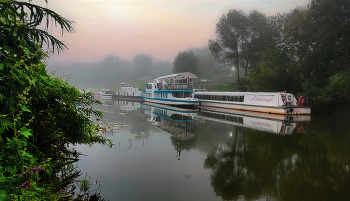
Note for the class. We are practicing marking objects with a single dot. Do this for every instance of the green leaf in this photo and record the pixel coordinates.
(28, 155)
(3, 179)
(26, 132)
(3, 193)
(24, 108)
(26, 50)
(1, 66)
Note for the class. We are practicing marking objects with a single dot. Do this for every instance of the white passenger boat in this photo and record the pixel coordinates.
(266, 102)
(175, 89)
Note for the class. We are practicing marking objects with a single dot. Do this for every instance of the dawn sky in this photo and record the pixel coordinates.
(160, 28)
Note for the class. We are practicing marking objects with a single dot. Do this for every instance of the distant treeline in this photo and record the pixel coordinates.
(305, 51)
(109, 72)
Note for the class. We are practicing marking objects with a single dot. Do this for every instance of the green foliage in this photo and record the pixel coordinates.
(273, 73)
(39, 116)
(231, 86)
(18, 22)
(186, 62)
(335, 95)
(299, 51)
(39, 119)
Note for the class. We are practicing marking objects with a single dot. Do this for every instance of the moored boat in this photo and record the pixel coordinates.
(265, 102)
(176, 89)
(106, 94)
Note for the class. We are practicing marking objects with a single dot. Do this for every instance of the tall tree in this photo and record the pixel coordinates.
(231, 33)
(258, 37)
(329, 51)
(186, 62)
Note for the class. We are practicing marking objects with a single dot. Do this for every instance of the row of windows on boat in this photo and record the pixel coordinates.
(171, 86)
(165, 95)
(222, 116)
(220, 97)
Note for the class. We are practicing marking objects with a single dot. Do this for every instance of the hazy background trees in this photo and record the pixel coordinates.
(186, 61)
(142, 66)
(111, 71)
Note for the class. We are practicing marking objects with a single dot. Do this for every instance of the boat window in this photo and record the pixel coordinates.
(149, 86)
(174, 94)
(241, 98)
(187, 95)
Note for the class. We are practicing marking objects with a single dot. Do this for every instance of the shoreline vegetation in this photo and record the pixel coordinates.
(39, 117)
(304, 52)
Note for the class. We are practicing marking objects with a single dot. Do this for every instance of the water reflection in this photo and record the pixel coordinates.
(278, 124)
(225, 155)
(173, 120)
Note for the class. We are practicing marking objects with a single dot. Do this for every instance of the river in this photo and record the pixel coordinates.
(164, 153)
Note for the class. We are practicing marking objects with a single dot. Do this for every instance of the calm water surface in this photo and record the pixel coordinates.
(163, 153)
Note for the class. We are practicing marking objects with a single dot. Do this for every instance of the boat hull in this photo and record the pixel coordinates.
(300, 110)
(178, 101)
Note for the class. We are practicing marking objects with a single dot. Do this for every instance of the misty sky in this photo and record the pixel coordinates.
(160, 28)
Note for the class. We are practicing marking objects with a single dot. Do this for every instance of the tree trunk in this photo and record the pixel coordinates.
(237, 65)
(246, 68)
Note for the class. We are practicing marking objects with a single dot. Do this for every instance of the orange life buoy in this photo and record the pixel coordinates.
(160, 87)
(300, 129)
(172, 87)
(301, 100)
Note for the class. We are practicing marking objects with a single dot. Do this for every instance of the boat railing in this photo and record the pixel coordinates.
(176, 87)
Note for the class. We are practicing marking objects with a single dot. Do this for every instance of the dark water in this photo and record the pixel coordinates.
(167, 154)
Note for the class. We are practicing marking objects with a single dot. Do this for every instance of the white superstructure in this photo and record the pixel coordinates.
(175, 89)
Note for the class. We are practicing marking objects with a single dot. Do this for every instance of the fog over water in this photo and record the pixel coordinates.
(112, 70)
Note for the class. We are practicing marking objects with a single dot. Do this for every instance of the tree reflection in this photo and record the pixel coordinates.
(314, 166)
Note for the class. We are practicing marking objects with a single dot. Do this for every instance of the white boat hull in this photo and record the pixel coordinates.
(178, 101)
(258, 108)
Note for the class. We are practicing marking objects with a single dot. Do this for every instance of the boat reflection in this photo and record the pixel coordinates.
(125, 106)
(278, 124)
(173, 120)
